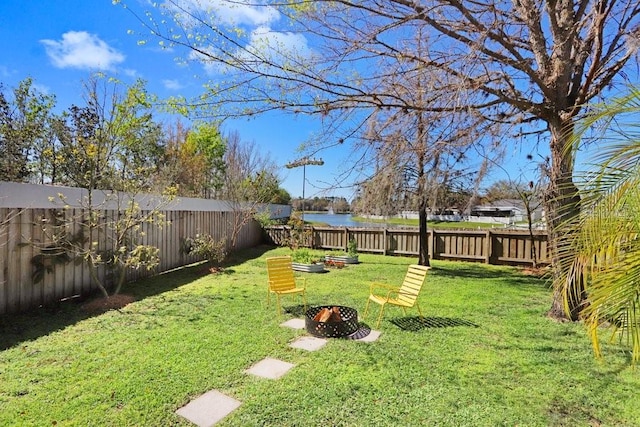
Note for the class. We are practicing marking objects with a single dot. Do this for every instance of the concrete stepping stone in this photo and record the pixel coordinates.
(270, 368)
(209, 408)
(309, 343)
(371, 337)
(294, 324)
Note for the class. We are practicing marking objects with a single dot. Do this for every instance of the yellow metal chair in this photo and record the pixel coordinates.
(282, 281)
(405, 296)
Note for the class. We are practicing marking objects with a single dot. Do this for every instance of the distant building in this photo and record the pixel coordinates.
(505, 211)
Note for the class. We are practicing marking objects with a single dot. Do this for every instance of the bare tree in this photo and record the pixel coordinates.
(526, 62)
(250, 181)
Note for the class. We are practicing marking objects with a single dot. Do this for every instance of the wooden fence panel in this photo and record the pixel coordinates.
(328, 238)
(511, 247)
(402, 242)
(23, 232)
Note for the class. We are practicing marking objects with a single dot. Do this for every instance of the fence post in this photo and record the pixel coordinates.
(384, 241)
(434, 255)
(346, 239)
(488, 247)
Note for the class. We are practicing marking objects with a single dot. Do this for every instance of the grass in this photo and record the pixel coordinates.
(485, 355)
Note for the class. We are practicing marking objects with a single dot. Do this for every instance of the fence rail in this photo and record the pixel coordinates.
(491, 246)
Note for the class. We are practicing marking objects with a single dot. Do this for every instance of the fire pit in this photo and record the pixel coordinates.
(332, 321)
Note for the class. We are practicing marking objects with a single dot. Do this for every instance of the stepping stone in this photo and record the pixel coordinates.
(270, 368)
(208, 409)
(294, 324)
(371, 337)
(308, 343)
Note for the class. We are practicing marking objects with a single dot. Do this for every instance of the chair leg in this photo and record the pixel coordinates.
(380, 315)
(279, 305)
(366, 309)
(419, 311)
(268, 298)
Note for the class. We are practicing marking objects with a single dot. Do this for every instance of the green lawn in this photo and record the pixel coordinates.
(487, 355)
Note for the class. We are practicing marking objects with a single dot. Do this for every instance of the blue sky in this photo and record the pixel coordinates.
(59, 43)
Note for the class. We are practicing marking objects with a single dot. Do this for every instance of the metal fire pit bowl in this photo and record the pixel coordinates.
(345, 328)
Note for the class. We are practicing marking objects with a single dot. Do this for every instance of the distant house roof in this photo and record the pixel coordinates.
(500, 208)
(501, 205)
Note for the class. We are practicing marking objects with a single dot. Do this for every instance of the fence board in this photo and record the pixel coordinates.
(25, 253)
(13, 276)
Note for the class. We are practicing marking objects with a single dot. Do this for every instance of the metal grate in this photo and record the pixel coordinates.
(341, 329)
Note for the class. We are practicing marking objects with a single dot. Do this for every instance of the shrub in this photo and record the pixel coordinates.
(352, 247)
(206, 247)
(304, 256)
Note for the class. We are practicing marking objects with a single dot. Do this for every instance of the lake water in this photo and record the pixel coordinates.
(340, 220)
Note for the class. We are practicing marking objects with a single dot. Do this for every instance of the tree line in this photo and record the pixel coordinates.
(114, 141)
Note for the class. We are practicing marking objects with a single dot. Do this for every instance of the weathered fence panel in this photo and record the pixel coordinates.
(23, 237)
(28, 220)
(491, 246)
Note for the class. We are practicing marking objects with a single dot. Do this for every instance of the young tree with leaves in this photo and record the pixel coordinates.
(110, 148)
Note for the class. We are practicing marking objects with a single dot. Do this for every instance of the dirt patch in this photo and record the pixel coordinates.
(101, 304)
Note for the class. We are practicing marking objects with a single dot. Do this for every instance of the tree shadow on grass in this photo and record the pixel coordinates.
(295, 310)
(415, 323)
(41, 321)
(471, 271)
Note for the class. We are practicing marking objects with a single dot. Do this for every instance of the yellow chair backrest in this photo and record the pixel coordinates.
(280, 274)
(413, 281)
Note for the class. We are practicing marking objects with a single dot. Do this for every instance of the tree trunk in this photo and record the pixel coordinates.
(562, 203)
(423, 235)
(534, 251)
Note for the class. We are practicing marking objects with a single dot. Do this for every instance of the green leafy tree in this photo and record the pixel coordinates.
(112, 140)
(25, 133)
(182, 165)
(503, 189)
(206, 142)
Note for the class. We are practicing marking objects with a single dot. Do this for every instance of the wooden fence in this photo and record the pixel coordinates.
(26, 208)
(22, 238)
(491, 246)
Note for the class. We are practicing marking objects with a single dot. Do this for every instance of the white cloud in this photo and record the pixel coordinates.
(42, 88)
(276, 42)
(233, 12)
(130, 72)
(275, 46)
(4, 71)
(172, 84)
(79, 49)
